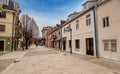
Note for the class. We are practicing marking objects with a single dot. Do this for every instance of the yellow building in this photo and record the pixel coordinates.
(7, 24)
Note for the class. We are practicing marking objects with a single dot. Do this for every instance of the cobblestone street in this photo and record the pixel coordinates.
(41, 60)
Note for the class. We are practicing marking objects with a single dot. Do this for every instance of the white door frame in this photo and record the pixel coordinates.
(108, 54)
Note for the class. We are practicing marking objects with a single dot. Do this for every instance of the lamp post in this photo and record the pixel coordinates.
(69, 29)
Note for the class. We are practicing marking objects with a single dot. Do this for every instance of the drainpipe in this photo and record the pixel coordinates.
(61, 43)
(95, 32)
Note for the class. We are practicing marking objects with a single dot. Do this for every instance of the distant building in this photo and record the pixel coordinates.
(44, 33)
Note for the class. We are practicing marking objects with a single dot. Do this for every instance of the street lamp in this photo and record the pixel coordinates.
(69, 29)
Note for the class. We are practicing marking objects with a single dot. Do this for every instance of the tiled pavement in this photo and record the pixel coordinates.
(42, 60)
(108, 63)
(8, 58)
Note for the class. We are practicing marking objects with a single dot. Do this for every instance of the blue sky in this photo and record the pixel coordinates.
(49, 12)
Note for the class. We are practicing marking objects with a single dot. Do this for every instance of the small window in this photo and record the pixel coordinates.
(77, 24)
(2, 14)
(88, 20)
(77, 44)
(106, 22)
(2, 27)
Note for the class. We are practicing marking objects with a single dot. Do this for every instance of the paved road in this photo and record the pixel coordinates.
(8, 58)
(42, 60)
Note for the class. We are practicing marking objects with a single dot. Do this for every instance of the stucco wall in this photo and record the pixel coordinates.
(112, 10)
(8, 24)
(82, 33)
(7, 43)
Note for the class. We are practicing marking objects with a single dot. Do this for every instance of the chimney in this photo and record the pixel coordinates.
(62, 21)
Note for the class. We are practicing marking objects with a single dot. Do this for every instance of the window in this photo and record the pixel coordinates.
(2, 27)
(88, 20)
(77, 44)
(110, 45)
(106, 45)
(77, 24)
(2, 14)
(105, 21)
(69, 43)
(114, 45)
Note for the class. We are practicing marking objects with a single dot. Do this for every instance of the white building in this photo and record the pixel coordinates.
(108, 17)
(82, 25)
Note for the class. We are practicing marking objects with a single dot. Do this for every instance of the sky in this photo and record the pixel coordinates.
(49, 12)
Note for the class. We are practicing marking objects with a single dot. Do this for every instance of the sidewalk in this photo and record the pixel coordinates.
(8, 58)
(110, 64)
(2, 53)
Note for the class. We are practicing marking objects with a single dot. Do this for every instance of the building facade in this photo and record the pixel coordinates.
(49, 38)
(82, 28)
(44, 34)
(108, 16)
(93, 31)
(8, 22)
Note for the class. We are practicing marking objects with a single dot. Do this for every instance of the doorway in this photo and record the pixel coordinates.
(64, 45)
(1, 45)
(110, 49)
(89, 46)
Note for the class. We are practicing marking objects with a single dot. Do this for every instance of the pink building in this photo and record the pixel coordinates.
(49, 38)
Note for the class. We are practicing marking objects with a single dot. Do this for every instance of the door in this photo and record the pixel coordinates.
(1, 45)
(110, 49)
(89, 46)
(64, 45)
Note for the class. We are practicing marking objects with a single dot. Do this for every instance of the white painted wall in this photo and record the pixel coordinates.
(112, 10)
(82, 33)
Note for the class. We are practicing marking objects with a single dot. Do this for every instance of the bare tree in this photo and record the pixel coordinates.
(30, 28)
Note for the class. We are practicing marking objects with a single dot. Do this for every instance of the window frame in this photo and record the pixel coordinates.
(88, 20)
(106, 22)
(2, 14)
(111, 45)
(4, 28)
(77, 44)
(77, 24)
